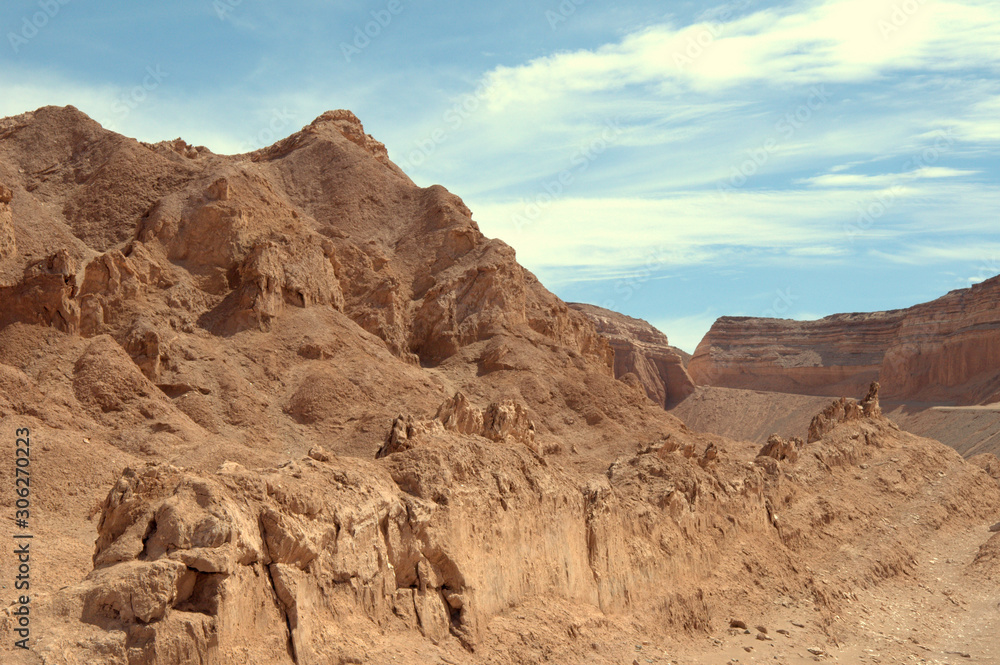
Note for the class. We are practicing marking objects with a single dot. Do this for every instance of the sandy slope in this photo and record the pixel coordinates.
(756, 414)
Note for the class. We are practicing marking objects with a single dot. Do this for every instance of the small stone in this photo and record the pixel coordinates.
(736, 623)
(782, 631)
(762, 629)
(748, 649)
(995, 528)
(764, 638)
(816, 652)
(319, 454)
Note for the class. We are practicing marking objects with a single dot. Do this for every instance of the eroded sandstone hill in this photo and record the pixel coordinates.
(644, 352)
(945, 351)
(288, 407)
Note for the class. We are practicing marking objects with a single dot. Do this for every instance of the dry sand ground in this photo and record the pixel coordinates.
(756, 414)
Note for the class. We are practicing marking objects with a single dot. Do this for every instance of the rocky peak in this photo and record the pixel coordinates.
(350, 127)
(782, 449)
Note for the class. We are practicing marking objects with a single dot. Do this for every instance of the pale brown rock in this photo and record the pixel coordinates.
(506, 421)
(459, 415)
(8, 243)
(643, 351)
(989, 463)
(709, 457)
(941, 351)
(782, 450)
(845, 410)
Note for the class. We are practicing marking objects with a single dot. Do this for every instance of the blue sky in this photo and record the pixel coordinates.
(675, 161)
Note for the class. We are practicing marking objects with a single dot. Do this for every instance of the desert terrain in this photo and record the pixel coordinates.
(289, 407)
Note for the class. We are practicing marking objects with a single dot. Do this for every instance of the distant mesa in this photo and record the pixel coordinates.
(946, 351)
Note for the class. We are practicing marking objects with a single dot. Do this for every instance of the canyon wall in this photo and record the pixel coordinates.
(644, 352)
(945, 351)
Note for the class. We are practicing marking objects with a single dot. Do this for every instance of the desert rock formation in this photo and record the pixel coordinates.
(643, 351)
(945, 351)
(289, 408)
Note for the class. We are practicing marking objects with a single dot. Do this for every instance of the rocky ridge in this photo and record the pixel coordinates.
(643, 352)
(327, 558)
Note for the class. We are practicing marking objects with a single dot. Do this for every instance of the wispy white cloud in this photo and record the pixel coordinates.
(884, 179)
(600, 237)
(982, 252)
(981, 123)
(803, 43)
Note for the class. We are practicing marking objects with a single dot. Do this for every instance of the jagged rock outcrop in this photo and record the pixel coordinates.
(237, 240)
(846, 410)
(506, 421)
(945, 351)
(782, 449)
(459, 415)
(643, 351)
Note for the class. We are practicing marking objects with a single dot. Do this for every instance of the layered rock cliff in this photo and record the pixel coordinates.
(945, 351)
(644, 352)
